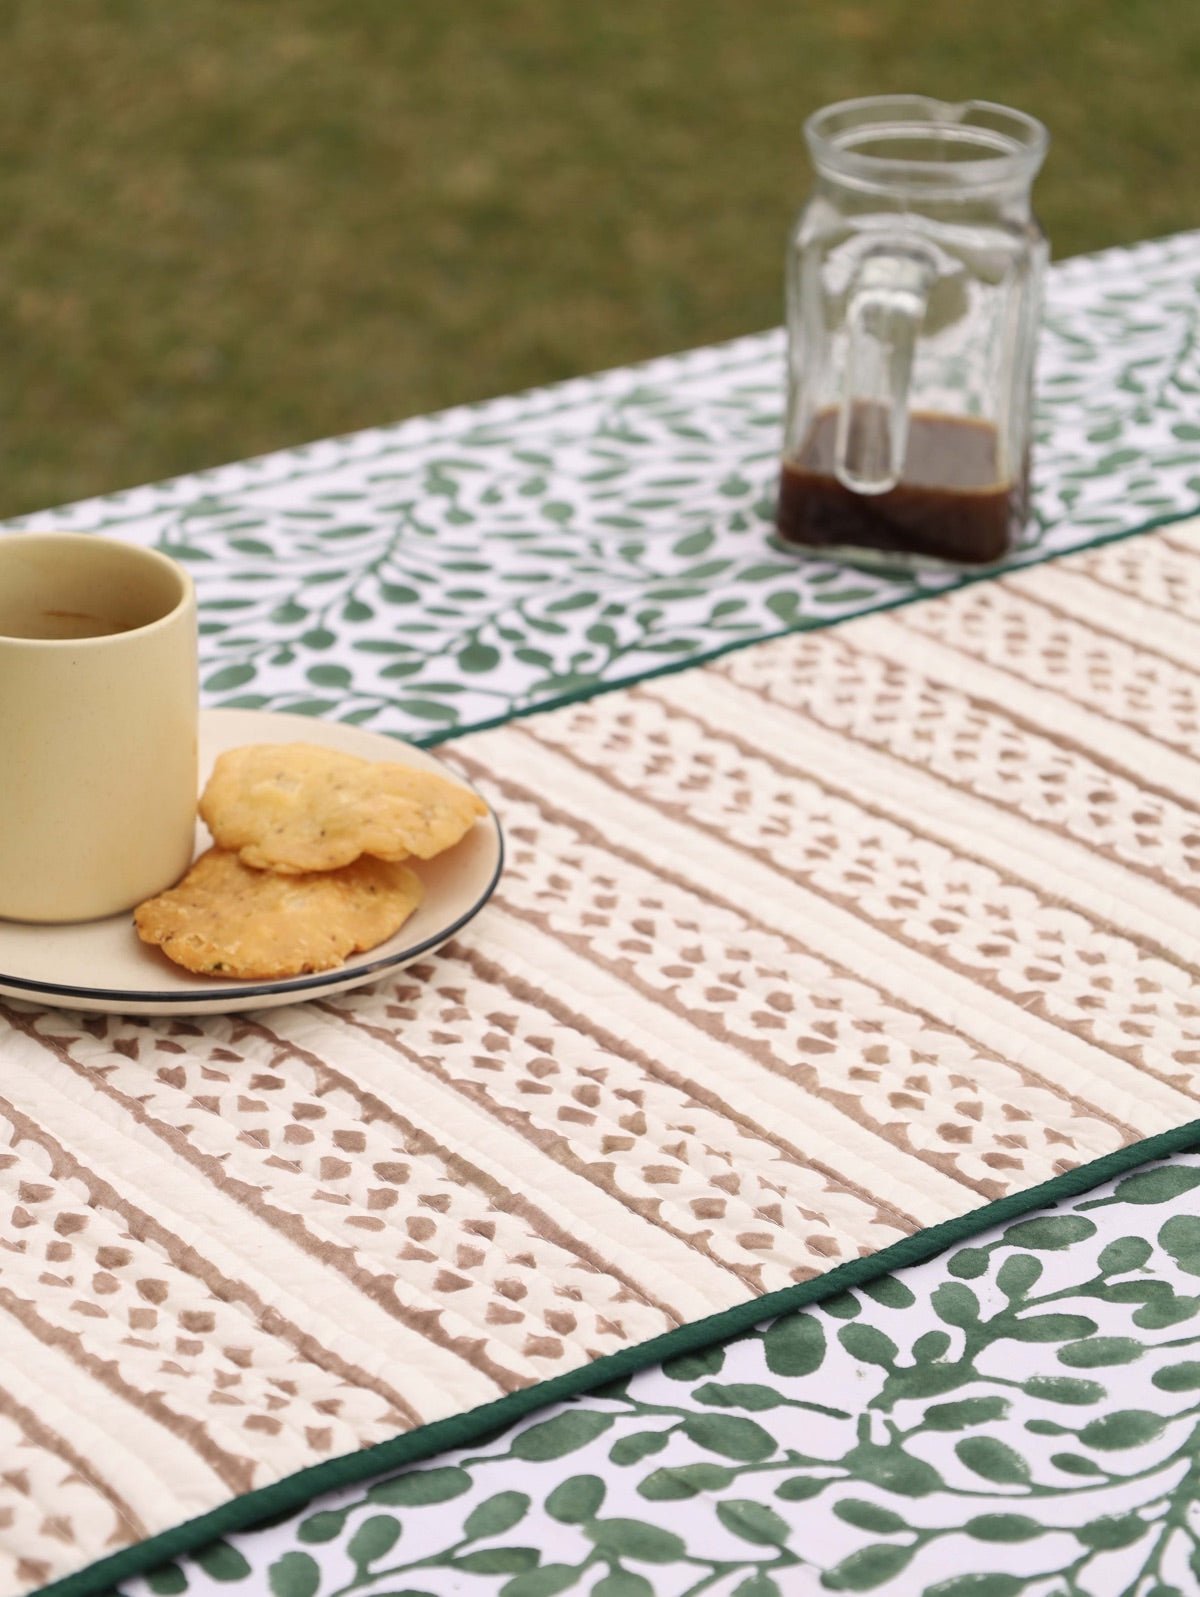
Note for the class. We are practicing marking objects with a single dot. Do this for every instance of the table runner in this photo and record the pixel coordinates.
(453, 570)
(647, 1084)
(1017, 1416)
(1117, 443)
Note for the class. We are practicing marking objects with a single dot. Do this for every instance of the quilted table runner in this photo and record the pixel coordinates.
(798, 954)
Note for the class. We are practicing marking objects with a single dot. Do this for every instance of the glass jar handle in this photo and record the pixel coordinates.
(887, 308)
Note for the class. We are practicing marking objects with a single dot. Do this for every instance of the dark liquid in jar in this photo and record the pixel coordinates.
(950, 503)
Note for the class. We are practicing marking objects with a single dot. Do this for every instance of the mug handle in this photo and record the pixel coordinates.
(886, 310)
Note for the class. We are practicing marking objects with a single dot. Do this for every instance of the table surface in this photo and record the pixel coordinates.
(937, 1426)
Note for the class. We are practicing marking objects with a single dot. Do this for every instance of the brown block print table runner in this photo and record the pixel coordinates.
(795, 955)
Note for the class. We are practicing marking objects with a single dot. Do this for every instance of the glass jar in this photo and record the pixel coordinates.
(913, 302)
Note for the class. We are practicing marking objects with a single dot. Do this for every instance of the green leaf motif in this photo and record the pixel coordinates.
(169, 1581)
(689, 1366)
(753, 1522)
(478, 657)
(731, 1436)
(955, 1304)
(969, 1263)
(373, 1539)
(761, 572)
(993, 1460)
(428, 709)
(795, 1345)
(967, 1411)
(421, 1487)
(294, 1575)
(398, 593)
(890, 1292)
(632, 1449)
(1051, 1328)
(994, 1584)
(1166, 1310)
(572, 601)
(547, 1581)
(868, 1345)
(247, 701)
(329, 676)
(576, 1499)
(739, 1394)
(562, 1434)
(222, 1562)
(182, 551)
(496, 1514)
(759, 1585)
(623, 1583)
(931, 1345)
(1157, 1186)
(1047, 1428)
(675, 1483)
(1076, 1464)
(1050, 1233)
(311, 706)
(1131, 1427)
(858, 1512)
(1101, 1352)
(924, 1380)
(893, 1469)
(803, 1488)
(868, 1567)
(1180, 1237)
(399, 669)
(1112, 1532)
(1183, 1377)
(787, 606)
(1064, 1389)
(228, 677)
(695, 543)
(1004, 1528)
(1018, 1274)
(632, 1538)
(322, 1526)
(1125, 1253)
(497, 1560)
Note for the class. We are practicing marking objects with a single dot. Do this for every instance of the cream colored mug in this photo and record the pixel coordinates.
(98, 722)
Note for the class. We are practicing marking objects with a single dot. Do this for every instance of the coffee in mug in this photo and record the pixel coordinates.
(98, 725)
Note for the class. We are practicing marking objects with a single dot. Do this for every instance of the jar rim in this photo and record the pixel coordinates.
(948, 146)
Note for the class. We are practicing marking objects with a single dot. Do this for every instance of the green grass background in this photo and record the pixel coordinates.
(231, 225)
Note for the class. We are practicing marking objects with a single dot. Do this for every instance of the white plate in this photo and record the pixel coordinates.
(102, 965)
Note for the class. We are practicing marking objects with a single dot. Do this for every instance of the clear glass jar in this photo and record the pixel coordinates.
(913, 302)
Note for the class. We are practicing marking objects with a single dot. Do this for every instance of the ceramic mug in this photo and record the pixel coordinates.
(98, 725)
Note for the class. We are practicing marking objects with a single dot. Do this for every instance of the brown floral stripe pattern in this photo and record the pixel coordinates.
(794, 955)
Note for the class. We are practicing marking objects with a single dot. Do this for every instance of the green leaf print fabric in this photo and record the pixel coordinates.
(1020, 1417)
(458, 569)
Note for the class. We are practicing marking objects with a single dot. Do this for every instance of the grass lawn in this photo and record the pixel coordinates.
(230, 227)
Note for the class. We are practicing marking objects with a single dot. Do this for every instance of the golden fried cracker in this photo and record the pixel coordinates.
(225, 919)
(296, 807)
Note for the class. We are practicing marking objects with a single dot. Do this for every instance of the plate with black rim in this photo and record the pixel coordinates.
(103, 967)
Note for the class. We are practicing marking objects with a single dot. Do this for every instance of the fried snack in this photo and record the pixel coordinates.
(294, 807)
(225, 919)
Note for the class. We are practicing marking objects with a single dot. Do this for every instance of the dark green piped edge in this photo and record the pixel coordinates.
(917, 595)
(460, 1430)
